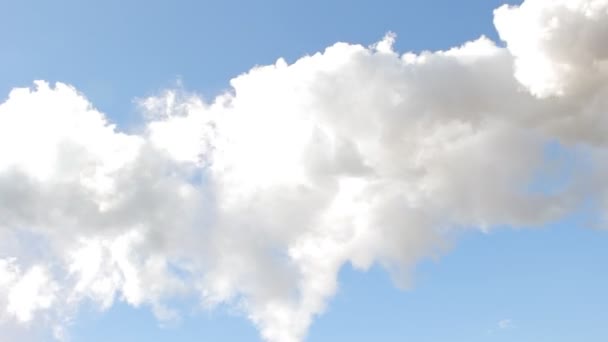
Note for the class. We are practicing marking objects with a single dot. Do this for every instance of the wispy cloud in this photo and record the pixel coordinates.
(505, 324)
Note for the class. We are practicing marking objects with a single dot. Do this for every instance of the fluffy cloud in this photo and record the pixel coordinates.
(257, 199)
(558, 45)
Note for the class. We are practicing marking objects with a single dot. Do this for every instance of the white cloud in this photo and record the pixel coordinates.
(354, 155)
(558, 45)
(25, 293)
(505, 324)
(32, 292)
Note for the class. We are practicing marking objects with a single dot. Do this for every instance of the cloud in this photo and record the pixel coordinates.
(505, 324)
(558, 45)
(257, 199)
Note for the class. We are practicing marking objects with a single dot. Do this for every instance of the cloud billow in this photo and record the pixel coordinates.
(257, 199)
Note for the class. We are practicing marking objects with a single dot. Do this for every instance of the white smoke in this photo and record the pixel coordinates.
(355, 155)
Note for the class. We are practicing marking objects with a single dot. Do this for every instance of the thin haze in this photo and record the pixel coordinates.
(256, 199)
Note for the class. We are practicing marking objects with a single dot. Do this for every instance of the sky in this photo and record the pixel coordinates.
(287, 172)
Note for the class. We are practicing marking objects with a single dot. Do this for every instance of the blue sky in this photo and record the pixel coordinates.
(541, 281)
(114, 51)
(519, 284)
